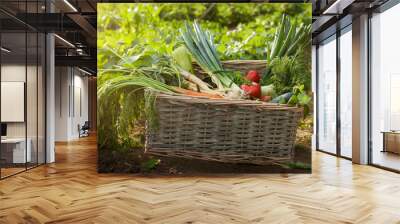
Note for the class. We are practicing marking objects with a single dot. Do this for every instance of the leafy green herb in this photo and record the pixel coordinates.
(301, 98)
(149, 165)
(297, 165)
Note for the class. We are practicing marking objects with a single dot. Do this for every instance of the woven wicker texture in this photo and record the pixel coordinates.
(237, 65)
(235, 131)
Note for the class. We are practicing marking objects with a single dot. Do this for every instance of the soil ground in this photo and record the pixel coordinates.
(187, 167)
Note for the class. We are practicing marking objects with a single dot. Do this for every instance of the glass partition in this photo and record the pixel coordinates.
(22, 77)
(385, 89)
(14, 153)
(327, 95)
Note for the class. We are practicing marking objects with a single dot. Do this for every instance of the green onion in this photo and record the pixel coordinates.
(288, 39)
(134, 82)
(200, 45)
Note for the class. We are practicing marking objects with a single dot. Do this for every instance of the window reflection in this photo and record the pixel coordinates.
(385, 89)
(346, 93)
(327, 96)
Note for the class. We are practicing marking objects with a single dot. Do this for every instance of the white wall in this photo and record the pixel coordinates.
(12, 73)
(80, 110)
(71, 102)
(62, 82)
(33, 127)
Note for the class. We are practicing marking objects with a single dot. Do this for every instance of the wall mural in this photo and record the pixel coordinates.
(204, 88)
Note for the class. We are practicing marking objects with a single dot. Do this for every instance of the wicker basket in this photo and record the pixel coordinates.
(235, 131)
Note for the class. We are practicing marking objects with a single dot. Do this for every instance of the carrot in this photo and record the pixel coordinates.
(198, 94)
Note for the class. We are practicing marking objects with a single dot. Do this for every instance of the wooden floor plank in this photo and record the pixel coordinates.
(71, 191)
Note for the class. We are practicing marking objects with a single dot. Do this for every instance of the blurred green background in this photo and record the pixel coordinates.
(241, 31)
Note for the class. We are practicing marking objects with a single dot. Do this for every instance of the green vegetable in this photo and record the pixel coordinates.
(297, 165)
(287, 72)
(133, 82)
(121, 96)
(267, 90)
(290, 42)
(183, 58)
(289, 39)
(282, 98)
(149, 165)
(300, 98)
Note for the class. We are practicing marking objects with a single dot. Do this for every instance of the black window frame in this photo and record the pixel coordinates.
(337, 30)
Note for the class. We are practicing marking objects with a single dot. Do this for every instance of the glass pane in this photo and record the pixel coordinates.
(23, 90)
(14, 153)
(327, 96)
(385, 86)
(346, 94)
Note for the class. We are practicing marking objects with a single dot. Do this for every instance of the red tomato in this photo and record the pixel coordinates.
(253, 76)
(254, 90)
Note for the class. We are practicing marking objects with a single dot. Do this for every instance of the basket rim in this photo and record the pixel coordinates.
(259, 61)
(243, 61)
(240, 102)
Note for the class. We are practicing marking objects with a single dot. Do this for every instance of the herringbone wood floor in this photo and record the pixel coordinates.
(71, 191)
